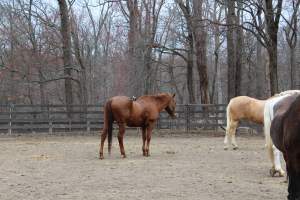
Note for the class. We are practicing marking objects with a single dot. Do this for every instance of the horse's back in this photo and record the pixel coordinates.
(120, 106)
(244, 107)
(127, 111)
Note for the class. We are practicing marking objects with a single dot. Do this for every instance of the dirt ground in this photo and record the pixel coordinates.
(180, 167)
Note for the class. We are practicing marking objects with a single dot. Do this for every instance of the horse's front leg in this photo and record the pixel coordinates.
(120, 139)
(274, 153)
(277, 163)
(148, 138)
(144, 140)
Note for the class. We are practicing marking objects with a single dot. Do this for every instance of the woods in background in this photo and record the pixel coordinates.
(206, 51)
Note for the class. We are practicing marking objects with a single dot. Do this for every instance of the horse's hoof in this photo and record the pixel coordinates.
(281, 173)
(101, 157)
(235, 148)
(272, 172)
(225, 148)
(123, 156)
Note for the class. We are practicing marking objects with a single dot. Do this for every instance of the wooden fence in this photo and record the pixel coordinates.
(54, 118)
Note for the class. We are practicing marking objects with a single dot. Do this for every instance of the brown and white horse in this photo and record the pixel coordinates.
(269, 113)
(140, 113)
(285, 134)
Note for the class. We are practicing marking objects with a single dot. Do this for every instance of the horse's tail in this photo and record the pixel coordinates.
(228, 117)
(108, 122)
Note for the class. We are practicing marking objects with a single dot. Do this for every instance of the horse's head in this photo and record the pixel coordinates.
(171, 106)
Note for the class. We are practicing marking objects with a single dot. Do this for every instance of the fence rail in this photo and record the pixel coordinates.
(55, 118)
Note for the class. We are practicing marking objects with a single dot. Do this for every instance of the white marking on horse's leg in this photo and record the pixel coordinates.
(228, 125)
(277, 161)
(235, 146)
(271, 152)
(269, 143)
(232, 133)
(226, 138)
(226, 141)
(271, 156)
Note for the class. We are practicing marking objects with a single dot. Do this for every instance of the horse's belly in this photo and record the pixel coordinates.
(134, 123)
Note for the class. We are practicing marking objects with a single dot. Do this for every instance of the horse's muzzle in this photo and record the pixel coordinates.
(174, 116)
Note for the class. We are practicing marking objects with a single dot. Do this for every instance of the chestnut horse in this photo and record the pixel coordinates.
(285, 134)
(140, 113)
(239, 108)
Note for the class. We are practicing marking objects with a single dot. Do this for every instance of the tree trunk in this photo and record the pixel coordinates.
(185, 8)
(293, 69)
(67, 54)
(231, 55)
(189, 75)
(200, 35)
(273, 70)
(272, 20)
(239, 50)
(83, 95)
(134, 55)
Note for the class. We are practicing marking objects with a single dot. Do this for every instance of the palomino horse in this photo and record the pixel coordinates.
(140, 113)
(245, 108)
(242, 107)
(285, 134)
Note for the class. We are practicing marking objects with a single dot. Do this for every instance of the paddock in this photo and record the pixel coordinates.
(181, 166)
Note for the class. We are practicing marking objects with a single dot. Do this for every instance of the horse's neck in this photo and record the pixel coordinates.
(261, 102)
(161, 102)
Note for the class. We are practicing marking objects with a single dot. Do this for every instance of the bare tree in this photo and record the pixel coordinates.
(186, 9)
(200, 37)
(67, 52)
(231, 49)
(291, 31)
(272, 23)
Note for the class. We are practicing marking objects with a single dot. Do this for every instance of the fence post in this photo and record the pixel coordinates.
(216, 114)
(50, 127)
(11, 106)
(187, 117)
(50, 120)
(88, 127)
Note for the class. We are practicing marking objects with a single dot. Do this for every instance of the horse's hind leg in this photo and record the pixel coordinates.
(277, 161)
(103, 137)
(233, 140)
(120, 139)
(226, 140)
(144, 140)
(230, 134)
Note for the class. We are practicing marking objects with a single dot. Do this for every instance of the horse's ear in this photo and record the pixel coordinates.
(173, 95)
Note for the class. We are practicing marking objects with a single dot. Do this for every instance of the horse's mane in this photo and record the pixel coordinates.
(290, 92)
(155, 96)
